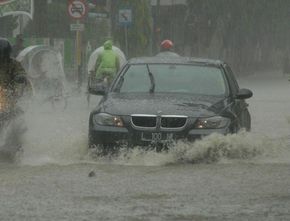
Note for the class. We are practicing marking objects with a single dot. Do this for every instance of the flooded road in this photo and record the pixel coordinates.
(235, 177)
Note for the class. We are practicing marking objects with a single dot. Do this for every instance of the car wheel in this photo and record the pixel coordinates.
(245, 120)
(102, 149)
(106, 149)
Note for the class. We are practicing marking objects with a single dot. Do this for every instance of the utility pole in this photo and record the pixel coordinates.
(156, 28)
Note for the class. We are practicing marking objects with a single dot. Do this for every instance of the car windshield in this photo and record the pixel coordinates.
(173, 78)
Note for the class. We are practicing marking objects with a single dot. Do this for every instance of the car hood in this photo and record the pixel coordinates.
(181, 104)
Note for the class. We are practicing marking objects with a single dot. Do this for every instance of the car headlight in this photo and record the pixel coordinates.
(107, 120)
(212, 122)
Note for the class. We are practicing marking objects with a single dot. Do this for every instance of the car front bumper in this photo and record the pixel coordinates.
(122, 136)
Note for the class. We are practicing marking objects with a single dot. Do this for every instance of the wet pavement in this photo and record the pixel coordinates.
(235, 177)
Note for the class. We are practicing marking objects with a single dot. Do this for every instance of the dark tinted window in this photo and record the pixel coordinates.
(232, 79)
(175, 78)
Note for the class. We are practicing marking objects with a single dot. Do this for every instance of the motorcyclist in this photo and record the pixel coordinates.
(107, 64)
(11, 71)
(12, 77)
(166, 49)
(106, 67)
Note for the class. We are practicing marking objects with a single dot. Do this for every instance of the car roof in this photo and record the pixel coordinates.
(175, 60)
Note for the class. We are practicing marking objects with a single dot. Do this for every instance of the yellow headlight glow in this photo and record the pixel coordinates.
(118, 122)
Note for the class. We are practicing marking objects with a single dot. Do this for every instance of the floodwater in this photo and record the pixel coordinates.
(236, 177)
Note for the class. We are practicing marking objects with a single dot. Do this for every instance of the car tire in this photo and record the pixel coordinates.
(102, 149)
(106, 149)
(245, 120)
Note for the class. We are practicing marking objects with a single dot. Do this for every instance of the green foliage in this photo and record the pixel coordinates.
(7, 25)
(248, 29)
(50, 20)
(139, 33)
(58, 20)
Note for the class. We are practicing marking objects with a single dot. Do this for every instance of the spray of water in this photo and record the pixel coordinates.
(216, 148)
(60, 137)
(55, 135)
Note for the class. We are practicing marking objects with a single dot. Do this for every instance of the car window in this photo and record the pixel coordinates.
(136, 79)
(175, 78)
(232, 80)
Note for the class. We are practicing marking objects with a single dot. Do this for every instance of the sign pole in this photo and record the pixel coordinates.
(125, 20)
(77, 10)
(126, 40)
(79, 55)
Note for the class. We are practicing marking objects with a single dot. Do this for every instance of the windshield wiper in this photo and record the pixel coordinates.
(152, 80)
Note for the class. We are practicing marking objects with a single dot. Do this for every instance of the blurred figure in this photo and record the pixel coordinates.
(11, 71)
(166, 49)
(95, 78)
(107, 64)
(18, 46)
(13, 86)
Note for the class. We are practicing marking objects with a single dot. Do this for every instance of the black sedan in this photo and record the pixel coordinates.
(157, 101)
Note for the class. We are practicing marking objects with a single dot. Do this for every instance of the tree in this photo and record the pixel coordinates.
(50, 20)
(7, 24)
(252, 31)
(140, 32)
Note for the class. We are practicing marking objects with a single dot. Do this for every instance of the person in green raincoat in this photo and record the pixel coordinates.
(107, 64)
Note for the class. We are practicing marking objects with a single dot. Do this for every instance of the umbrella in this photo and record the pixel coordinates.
(41, 59)
(98, 51)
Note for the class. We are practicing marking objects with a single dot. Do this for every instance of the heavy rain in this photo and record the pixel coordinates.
(48, 170)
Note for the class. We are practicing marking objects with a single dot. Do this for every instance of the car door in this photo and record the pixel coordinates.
(239, 107)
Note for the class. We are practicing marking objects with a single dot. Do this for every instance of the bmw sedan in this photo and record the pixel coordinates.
(157, 101)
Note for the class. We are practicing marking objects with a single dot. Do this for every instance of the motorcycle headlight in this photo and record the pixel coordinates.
(215, 122)
(107, 120)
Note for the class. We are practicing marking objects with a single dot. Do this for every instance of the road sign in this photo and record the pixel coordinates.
(77, 9)
(77, 27)
(125, 16)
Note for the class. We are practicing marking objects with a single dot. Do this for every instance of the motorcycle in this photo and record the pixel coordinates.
(95, 84)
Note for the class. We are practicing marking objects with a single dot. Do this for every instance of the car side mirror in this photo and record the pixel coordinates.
(98, 88)
(244, 94)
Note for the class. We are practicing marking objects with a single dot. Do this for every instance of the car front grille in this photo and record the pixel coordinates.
(144, 120)
(174, 122)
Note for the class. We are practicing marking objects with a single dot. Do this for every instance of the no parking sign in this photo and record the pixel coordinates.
(77, 9)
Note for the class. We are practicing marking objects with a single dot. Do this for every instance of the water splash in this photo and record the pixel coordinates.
(215, 148)
(55, 136)
(60, 137)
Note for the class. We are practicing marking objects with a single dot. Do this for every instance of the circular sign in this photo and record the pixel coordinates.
(3, 1)
(77, 9)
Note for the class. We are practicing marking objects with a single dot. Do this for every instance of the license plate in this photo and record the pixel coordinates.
(157, 137)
